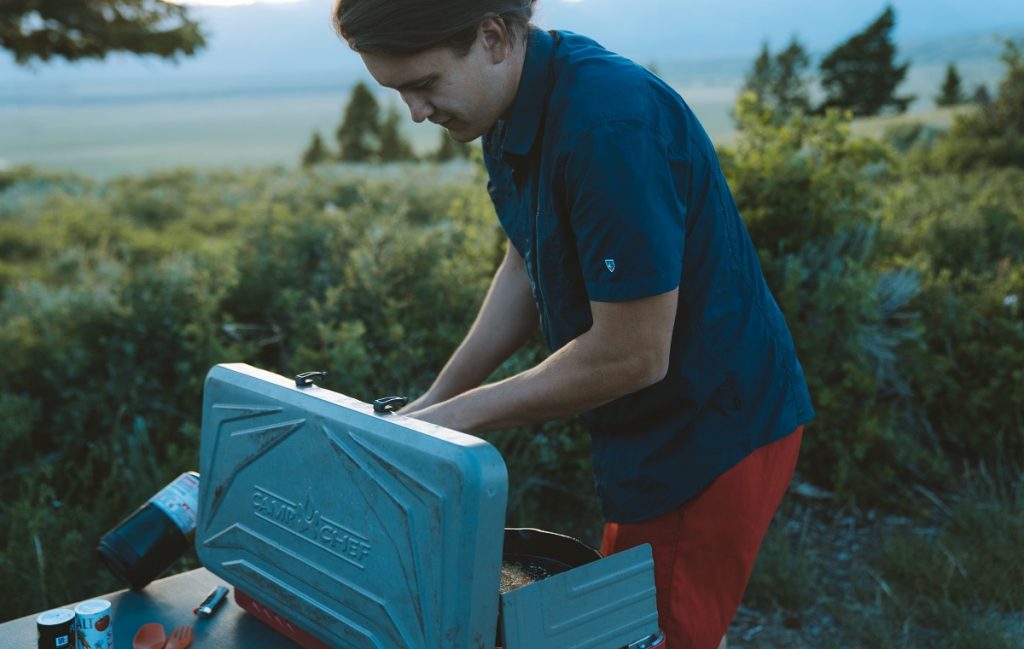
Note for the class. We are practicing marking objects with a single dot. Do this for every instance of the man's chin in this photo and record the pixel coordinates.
(460, 133)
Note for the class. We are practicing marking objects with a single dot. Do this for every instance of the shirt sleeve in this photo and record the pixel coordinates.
(625, 195)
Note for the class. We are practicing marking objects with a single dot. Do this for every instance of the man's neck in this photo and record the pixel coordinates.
(517, 62)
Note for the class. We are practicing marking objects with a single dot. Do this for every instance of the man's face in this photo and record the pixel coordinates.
(464, 94)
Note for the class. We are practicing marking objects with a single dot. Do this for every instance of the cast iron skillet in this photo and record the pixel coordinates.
(554, 552)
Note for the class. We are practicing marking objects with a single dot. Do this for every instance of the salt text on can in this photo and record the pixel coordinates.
(94, 624)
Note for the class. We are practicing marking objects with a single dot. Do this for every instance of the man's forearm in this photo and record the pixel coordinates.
(608, 361)
(506, 319)
(566, 383)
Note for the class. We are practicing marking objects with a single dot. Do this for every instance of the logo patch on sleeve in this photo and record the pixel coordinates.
(610, 265)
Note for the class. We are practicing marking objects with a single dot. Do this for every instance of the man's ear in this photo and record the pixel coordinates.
(494, 36)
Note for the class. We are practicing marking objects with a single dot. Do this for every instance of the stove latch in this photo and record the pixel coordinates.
(386, 405)
(305, 379)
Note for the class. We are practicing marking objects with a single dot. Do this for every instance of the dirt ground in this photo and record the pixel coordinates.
(837, 539)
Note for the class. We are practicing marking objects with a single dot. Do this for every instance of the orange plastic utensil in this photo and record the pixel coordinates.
(150, 636)
(180, 638)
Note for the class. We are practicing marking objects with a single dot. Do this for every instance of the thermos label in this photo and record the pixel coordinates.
(180, 501)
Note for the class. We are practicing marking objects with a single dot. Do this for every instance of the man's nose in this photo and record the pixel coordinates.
(419, 108)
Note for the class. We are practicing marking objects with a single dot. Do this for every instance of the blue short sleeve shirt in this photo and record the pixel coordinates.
(609, 188)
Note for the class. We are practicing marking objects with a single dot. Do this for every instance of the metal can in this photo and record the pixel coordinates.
(56, 629)
(94, 624)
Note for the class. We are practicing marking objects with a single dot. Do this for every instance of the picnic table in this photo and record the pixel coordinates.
(168, 601)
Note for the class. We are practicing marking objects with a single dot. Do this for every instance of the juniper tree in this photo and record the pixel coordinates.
(359, 133)
(316, 152)
(779, 81)
(393, 147)
(951, 93)
(1009, 103)
(861, 75)
(789, 88)
(981, 95)
(90, 29)
(760, 78)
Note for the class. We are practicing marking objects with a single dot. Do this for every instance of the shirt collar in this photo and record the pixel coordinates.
(523, 119)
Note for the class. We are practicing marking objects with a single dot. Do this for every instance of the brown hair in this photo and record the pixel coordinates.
(403, 27)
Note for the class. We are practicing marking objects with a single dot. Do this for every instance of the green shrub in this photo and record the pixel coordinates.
(972, 378)
(966, 235)
(804, 181)
(957, 223)
(808, 195)
(115, 312)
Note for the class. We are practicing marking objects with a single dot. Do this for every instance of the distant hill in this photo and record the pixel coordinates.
(960, 47)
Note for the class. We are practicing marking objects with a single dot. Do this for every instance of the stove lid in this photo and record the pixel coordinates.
(368, 530)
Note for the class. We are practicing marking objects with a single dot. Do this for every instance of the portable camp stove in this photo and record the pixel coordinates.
(343, 527)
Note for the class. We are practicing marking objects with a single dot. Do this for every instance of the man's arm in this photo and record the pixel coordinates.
(506, 319)
(626, 349)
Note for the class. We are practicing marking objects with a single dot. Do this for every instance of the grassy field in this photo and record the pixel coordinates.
(102, 140)
(149, 125)
(875, 127)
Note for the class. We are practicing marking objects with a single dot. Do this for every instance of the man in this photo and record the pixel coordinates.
(625, 244)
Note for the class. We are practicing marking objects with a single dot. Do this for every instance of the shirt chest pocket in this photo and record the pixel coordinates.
(559, 279)
(512, 212)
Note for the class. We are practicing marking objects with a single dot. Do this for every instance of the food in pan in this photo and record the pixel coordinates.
(516, 575)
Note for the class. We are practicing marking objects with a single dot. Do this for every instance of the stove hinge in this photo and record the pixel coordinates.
(651, 641)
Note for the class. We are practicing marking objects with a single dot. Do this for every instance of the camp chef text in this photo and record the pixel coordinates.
(306, 521)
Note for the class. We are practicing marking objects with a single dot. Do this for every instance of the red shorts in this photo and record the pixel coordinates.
(704, 550)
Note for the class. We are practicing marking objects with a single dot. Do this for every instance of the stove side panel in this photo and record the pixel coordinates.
(607, 604)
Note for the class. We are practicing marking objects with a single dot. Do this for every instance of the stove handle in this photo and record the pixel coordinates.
(385, 405)
(305, 379)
